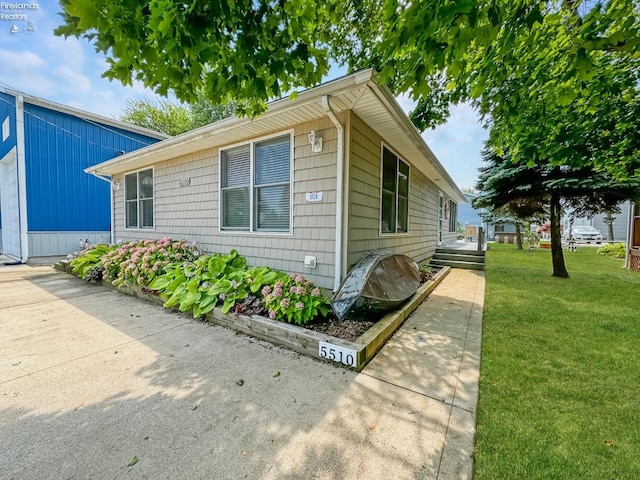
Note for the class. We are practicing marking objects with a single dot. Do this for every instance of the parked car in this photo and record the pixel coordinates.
(586, 233)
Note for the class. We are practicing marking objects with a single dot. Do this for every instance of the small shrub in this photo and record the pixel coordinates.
(616, 250)
(294, 299)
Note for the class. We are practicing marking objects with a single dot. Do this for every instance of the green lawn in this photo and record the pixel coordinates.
(560, 371)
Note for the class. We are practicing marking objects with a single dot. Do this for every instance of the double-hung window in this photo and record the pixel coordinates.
(394, 210)
(255, 186)
(138, 191)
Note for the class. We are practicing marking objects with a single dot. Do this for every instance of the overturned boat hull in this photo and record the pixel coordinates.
(377, 284)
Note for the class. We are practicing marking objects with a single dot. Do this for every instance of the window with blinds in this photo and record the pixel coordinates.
(138, 194)
(394, 209)
(256, 186)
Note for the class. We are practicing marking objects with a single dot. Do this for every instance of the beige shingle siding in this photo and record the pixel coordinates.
(192, 212)
(364, 203)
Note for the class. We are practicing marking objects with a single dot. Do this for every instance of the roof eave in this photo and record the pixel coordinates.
(119, 164)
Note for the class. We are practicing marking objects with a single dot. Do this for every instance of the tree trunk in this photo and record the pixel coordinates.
(557, 258)
(609, 221)
(518, 236)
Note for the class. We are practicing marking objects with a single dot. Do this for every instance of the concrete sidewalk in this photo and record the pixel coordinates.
(96, 384)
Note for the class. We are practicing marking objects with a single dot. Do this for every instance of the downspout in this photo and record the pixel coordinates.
(111, 198)
(337, 280)
(22, 180)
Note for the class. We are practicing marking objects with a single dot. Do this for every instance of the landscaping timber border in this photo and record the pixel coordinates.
(300, 339)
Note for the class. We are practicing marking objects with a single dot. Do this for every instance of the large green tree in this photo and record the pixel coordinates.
(174, 118)
(161, 115)
(529, 190)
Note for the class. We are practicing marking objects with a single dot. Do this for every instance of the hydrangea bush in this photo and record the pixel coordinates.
(294, 299)
(140, 262)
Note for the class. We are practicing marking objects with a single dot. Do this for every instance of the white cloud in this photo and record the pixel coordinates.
(457, 144)
(24, 71)
(65, 51)
(72, 80)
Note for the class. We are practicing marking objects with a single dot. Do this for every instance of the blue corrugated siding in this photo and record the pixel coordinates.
(60, 195)
(7, 108)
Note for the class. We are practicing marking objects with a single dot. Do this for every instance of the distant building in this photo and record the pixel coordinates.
(47, 202)
(620, 223)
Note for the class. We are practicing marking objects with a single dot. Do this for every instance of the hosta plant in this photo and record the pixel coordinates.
(89, 259)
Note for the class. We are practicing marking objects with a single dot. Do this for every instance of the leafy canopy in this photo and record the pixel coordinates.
(251, 50)
(174, 118)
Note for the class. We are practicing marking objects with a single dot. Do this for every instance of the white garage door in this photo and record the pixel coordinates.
(9, 204)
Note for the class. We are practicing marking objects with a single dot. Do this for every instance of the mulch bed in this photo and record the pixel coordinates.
(351, 329)
(345, 329)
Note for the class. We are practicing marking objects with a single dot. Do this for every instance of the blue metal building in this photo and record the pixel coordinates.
(47, 202)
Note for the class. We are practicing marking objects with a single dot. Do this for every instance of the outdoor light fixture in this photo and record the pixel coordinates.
(315, 141)
(116, 185)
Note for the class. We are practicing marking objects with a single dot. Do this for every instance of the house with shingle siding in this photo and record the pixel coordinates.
(309, 186)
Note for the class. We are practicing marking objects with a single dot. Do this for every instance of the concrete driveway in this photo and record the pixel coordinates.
(95, 384)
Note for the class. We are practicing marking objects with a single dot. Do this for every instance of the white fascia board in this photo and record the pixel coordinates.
(313, 95)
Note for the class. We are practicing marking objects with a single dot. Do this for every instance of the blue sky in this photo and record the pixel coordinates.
(69, 71)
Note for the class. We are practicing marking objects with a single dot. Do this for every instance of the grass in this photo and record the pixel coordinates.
(560, 372)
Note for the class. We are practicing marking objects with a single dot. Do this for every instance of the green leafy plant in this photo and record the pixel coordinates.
(89, 259)
(189, 281)
(200, 285)
(294, 299)
(616, 250)
(530, 236)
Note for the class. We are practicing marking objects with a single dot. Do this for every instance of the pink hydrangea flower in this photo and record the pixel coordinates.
(284, 303)
(299, 305)
(315, 292)
(272, 314)
(277, 292)
(266, 290)
(299, 278)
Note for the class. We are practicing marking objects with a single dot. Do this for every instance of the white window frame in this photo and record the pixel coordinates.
(6, 129)
(252, 228)
(396, 196)
(153, 199)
